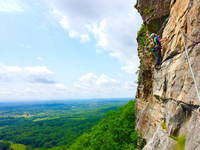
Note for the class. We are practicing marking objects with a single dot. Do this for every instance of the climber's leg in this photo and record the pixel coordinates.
(159, 57)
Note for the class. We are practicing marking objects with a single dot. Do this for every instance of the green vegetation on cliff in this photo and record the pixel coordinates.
(145, 55)
(115, 132)
(180, 142)
(141, 37)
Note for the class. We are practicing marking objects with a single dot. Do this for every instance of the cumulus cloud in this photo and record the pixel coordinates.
(36, 74)
(35, 82)
(9, 6)
(92, 81)
(112, 23)
(80, 33)
(38, 82)
(103, 86)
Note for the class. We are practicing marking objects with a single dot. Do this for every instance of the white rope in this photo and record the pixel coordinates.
(191, 70)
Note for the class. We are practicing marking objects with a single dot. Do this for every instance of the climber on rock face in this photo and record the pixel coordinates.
(156, 49)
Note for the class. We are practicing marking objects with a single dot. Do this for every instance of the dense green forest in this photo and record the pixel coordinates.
(50, 126)
(115, 132)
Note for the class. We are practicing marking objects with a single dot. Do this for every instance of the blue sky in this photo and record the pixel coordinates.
(64, 49)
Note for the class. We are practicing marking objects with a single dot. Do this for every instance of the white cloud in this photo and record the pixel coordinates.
(112, 23)
(60, 86)
(36, 74)
(91, 85)
(132, 67)
(9, 6)
(35, 82)
(73, 33)
(40, 74)
(91, 80)
(38, 82)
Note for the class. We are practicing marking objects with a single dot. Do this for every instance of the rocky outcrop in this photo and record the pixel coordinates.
(154, 12)
(166, 98)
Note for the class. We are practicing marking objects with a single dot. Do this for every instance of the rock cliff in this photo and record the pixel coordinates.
(167, 101)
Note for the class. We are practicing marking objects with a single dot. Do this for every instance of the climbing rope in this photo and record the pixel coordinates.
(189, 63)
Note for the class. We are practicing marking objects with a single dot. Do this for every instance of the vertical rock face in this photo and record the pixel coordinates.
(166, 98)
(154, 12)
